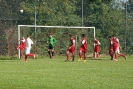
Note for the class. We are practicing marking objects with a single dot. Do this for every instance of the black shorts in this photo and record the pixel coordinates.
(50, 47)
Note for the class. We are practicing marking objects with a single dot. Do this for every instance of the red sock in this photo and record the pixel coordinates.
(26, 58)
(84, 56)
(122, 55)
(31, 55)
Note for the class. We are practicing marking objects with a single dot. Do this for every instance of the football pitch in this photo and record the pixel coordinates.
(45, 73)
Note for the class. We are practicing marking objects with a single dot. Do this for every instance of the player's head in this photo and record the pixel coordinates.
(70, 35)
(23, 37)
(28, 36)
(109, 37)
(113, 35)
(95, 38)
(83, 35)
(50, 35)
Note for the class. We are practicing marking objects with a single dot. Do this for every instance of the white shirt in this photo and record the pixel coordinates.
(29, 42)
(83, 41)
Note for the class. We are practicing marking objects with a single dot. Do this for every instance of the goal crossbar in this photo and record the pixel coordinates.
(51, 27)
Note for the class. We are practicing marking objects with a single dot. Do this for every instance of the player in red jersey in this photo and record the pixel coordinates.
(116, 45)
(110, 48)
(71, 48)
(96, 47)
(83, 48)
(21, 46)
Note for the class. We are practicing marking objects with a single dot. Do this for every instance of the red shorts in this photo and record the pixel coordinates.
(115, 48)
(71, 49)
(21, 47)
(83, 50)
(97, 49)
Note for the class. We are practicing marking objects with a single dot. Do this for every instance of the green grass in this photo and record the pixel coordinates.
(45, 73)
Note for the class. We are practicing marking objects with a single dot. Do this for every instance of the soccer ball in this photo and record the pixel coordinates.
(21, 11)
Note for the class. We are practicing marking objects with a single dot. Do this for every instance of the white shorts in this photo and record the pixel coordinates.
(27, 50)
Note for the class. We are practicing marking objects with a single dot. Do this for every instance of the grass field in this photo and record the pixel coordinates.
(45, 73)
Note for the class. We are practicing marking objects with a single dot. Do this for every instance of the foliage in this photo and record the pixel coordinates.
(108, 16)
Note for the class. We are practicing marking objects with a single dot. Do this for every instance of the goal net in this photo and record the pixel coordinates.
(39, 35)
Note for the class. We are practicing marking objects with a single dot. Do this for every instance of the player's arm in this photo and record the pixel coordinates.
(99, 43)
(72, 44)
(83, 41)
(119, 43)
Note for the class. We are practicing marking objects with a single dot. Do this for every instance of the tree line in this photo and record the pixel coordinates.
(108, 16)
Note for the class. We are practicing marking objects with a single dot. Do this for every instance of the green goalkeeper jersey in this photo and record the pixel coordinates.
(51, 41)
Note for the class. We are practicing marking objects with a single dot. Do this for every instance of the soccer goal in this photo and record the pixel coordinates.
(39, 35)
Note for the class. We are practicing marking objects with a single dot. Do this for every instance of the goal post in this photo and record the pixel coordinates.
(40, 26)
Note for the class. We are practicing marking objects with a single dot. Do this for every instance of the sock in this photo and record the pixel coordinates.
(67, 56)
(116, 56)
(26, 58)
(20, 55)
(53, 53)
(112, 57)
(84, 56)
(31, 55)
(122, 55)
(73, 57)
(80, 55)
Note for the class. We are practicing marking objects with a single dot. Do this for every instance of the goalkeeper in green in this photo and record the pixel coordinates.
(51, 44)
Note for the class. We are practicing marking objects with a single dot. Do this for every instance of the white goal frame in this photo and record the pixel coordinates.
(19, 26)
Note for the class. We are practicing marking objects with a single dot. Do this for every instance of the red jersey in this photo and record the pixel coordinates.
(96, 43)
(22, 45)
(115, 41)
(72, 41)
(110, 44)
(84, 44)
(71, 47)
(97, 47)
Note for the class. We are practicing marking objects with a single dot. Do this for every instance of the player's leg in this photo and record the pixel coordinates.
(121, 54)
(26, 58)
(72, 56)
(49, 51)
(27, 51)
(95, 52)
(97, 55)
(80, 54)
(111, 53)
(72, 51)
(84, 56)
(52, 52)
(30, 54)
(20, 53)
(116, 53)
(67, 55)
